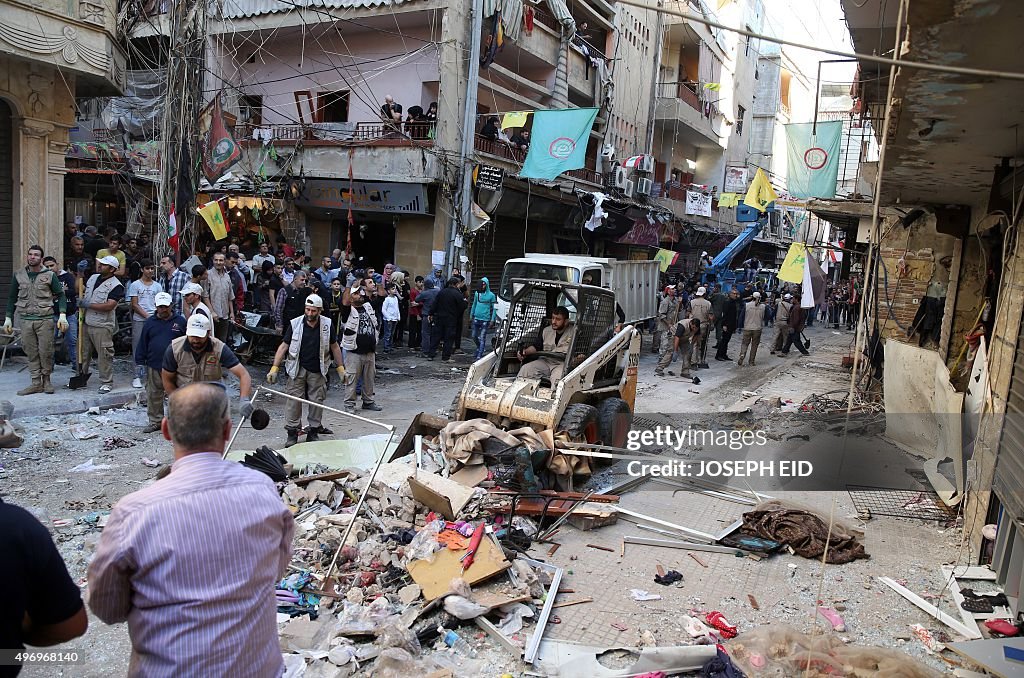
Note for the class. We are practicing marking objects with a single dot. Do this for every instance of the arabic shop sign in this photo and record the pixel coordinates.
(364, 196)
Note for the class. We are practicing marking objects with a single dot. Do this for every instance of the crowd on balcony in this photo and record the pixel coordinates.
(418, 124)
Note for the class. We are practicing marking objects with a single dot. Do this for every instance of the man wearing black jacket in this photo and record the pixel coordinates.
(448, 308)
(730, 322)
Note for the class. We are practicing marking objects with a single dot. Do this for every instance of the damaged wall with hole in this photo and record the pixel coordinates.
(914, 262)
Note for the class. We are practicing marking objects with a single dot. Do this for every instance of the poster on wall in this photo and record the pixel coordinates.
(736, 179)
(437, 258)
(698, 203)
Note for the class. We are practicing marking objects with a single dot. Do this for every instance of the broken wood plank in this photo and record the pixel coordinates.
(498, 636)
(753, 601)
(551, 551)
(673, 544)
(331, 475)
(567, 603)
(932, 610)
(600, 548)
(699, 561)
(661, 570)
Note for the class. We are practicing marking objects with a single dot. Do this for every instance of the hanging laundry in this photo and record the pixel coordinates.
(528, 20)
(495, 41)
(597, 218)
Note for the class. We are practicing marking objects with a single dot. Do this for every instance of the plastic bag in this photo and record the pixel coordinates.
(463, 608)
(425, 544)
(398, 636)
(513, 621)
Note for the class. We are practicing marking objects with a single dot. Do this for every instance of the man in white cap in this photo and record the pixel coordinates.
(782, 308)
(700, 309)
(103, 291)
(753, 323)
(309, 344)
(192, 301)
(199, 356)
(32, 292)
(158, 331)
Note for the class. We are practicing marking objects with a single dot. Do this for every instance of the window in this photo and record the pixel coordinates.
(332, 106)
(250, 109)
(740, 114)
(746, 48)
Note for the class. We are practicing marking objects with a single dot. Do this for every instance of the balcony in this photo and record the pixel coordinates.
(76, 35)
(418, 134)
(687, 93)
(376, 151)
(500, 149)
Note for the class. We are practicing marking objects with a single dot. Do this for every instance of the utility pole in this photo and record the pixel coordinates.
(468, 134)
(179, 159)
(659, 28)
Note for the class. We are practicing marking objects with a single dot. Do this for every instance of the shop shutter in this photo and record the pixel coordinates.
(503, 242)
(7, 198)
(1009, 474)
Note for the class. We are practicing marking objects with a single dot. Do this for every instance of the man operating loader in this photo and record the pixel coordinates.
(555, 339)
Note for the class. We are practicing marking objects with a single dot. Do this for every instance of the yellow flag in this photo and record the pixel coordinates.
(792, 269)
(214, 217)
(728, 199)
(666, 258)
(514, 119)
(760, 194)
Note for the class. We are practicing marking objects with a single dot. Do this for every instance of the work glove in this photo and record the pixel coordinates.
(8, 328)
(245, 409)
(341, 371)
(272, 375)
(62, 322)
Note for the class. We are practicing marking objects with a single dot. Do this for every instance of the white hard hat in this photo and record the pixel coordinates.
(315, 300)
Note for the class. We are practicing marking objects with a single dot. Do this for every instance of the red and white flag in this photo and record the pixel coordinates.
(172, 230)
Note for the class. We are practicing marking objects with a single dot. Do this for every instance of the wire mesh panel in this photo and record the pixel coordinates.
(915, 504)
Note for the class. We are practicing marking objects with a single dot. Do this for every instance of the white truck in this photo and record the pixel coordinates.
(635, 283)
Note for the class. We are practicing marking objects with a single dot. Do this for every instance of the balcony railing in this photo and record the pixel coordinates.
(383, 133)
(687, 91)
(505, 150)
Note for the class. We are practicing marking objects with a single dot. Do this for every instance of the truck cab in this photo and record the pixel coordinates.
(635, 283)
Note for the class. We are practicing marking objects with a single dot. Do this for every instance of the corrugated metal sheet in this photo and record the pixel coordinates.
(240, 9)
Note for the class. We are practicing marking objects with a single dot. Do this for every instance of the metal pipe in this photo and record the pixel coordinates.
(238, 428)
(387, 427)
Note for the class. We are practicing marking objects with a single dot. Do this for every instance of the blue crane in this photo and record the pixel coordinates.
(719, 270)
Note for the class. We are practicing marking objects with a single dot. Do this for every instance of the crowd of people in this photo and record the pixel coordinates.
(185, 319)
(418, 123)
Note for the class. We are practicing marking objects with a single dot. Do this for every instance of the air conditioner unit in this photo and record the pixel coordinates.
(627, 190)
(644, 186)
(646, 164)
(608, 152)
(622, 177)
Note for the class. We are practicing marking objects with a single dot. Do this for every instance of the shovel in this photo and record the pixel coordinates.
(81, 379)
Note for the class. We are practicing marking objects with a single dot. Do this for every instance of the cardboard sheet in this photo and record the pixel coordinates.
(435, 576)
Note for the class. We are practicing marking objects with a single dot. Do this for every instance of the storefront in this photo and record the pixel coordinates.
(390, 221)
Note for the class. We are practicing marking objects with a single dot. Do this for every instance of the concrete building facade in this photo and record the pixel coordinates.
(50, 53)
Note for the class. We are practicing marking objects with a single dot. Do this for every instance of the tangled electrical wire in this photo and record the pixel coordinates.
(827, 403)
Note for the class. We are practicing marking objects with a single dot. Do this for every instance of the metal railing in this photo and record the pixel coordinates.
(504, 150)
(357, 132)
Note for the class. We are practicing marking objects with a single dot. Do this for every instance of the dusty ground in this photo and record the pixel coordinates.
(39, 476)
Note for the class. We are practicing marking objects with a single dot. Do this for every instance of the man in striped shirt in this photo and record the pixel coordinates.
(191, 561)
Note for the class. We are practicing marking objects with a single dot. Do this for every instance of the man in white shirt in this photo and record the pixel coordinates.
(142, 295)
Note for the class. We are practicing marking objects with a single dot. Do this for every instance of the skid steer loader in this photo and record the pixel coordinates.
(591, 401)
